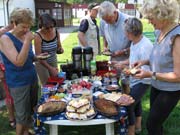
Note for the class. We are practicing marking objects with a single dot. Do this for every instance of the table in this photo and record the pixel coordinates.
(59, 119)
(109, 124)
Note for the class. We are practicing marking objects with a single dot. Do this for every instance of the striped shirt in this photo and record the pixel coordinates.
(50, 47)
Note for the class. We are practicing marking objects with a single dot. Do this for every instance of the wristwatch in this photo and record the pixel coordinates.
(154, 76)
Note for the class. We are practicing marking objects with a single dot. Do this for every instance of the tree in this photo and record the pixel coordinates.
(121, 1)
(88, 1)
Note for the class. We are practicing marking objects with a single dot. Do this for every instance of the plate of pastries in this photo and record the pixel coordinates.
(80, 109)
(118, 98)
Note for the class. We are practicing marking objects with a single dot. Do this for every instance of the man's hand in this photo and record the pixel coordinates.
(118, 53)
(106, 49)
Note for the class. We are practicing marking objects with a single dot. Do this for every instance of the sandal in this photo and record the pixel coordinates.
(31, 132)
(138, 131)
(12, 123)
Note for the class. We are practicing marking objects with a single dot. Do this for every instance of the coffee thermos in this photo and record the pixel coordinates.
(87, 57)
(81, 58)
(77, 58)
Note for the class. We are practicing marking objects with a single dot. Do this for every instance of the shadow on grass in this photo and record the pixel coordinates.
(5, 129)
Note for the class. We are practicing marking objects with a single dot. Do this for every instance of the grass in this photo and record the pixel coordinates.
(171, 126)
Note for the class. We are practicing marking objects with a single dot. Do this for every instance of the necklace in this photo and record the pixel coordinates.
(166, 32)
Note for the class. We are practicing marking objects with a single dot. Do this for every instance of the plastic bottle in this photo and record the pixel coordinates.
(93, 67)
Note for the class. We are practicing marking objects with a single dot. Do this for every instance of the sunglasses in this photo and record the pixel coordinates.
(50, 27)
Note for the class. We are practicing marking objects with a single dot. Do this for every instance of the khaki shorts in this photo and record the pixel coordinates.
(43, 72)
(25, 99)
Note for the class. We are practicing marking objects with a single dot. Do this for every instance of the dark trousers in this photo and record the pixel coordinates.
(135, 110)
(161, 105)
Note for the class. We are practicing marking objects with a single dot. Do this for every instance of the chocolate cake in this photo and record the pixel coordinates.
(106, 107)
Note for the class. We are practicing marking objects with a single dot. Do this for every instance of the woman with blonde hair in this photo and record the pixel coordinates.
(164, 62)
(21, 76)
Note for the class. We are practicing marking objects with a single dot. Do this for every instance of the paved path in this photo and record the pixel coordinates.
(65, 31)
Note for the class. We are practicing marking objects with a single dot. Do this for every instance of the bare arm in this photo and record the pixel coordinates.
(59, 48)
(82, 39)
(105, 44)
(17, 58)
(6, 29)
(173, 76)
(169, 76)
(37, 43)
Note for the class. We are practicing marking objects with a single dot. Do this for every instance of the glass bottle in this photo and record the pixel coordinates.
(125, 84)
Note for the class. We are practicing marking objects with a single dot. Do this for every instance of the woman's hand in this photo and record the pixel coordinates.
(138, 64)
(53, 71)
(140, 74)
(29, 37)
(60, 50)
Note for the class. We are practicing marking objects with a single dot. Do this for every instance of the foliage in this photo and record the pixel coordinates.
(87, 1)
(121, 1)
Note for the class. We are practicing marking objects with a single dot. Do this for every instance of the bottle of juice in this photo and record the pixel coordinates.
(93, 67)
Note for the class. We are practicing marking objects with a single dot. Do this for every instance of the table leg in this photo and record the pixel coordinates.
(53, 129)
(110, 129)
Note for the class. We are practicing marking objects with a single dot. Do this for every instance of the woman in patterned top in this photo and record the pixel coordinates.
(47, 39)
(164, 62)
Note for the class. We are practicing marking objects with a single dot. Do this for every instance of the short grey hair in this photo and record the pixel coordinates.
(106, 8)
(134, 26)
(161, 10)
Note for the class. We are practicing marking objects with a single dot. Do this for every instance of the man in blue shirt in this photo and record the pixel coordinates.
(111, 28)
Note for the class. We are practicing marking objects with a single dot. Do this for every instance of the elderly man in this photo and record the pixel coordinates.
(88, 34)
(111, 28)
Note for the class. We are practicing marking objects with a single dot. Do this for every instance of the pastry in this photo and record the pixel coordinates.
(70, 109)
(83, 109)
(90, 112)
(112, 96)
(50, 107)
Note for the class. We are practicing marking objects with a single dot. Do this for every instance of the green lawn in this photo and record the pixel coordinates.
(171, 126)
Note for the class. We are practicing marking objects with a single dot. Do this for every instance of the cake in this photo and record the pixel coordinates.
(51, 107)
(106, 107)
